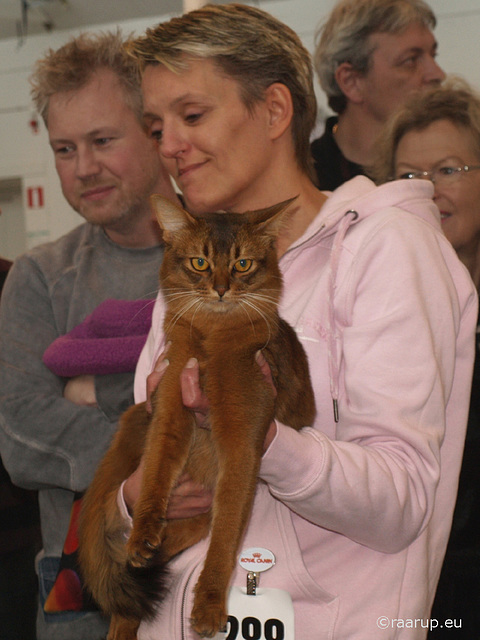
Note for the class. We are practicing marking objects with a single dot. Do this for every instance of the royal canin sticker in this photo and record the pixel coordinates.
(256, 559)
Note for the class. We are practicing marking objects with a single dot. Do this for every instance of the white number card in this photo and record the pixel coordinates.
(268, 615)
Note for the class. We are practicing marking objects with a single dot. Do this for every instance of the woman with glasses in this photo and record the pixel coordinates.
(436, 137)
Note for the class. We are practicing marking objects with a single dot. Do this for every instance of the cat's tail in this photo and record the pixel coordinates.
(117, 586)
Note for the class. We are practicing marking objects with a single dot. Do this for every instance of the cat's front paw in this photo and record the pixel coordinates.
(144, 541)
(209, 613)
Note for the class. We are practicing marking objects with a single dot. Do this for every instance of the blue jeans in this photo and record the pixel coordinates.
(67, 625)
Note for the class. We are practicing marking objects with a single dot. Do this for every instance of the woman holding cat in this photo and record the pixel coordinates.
(356, 506)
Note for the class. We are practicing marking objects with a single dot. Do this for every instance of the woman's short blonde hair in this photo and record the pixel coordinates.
(248, 45)
(455, 100)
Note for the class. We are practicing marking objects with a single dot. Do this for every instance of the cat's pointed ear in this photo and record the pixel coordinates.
(272, 219)
(170, 216)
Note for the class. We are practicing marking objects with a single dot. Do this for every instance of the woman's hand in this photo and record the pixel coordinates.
(187, 500)
(192, 396)
(81, 390)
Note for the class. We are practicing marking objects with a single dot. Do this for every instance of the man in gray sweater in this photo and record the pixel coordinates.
(54, 431)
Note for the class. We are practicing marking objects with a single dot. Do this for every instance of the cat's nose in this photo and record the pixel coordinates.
(221, 289)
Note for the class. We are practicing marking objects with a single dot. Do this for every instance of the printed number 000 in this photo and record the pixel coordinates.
(252, 629)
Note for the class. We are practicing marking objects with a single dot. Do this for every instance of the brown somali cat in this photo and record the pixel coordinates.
(221, 284)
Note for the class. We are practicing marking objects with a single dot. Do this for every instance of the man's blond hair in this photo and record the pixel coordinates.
(70, 68)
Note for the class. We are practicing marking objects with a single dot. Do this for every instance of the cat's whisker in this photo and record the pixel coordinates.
(194, 300)
(147, 304)
(257, 309)
(242, 307)
(262, 315)
(186, 297)
(263, 298)
(183, 310)
(179, 299)
(199, 306)
(150, 296)
(260, 302)
(181, 302)
(172, 294)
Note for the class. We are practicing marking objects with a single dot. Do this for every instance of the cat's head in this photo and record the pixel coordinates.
(220, 262)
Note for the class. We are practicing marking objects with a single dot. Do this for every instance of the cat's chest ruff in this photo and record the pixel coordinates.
(223, 336)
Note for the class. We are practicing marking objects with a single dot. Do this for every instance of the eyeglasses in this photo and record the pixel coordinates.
(440, 175)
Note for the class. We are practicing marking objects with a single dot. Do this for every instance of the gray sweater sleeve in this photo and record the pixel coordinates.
(45, 440)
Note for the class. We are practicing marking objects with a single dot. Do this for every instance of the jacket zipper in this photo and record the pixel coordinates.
(184, 600)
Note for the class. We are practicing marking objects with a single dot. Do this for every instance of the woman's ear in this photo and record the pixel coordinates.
(350, 83)
(278, 100)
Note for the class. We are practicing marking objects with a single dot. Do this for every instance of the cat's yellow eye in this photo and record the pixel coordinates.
(242, 266)
(199, 264)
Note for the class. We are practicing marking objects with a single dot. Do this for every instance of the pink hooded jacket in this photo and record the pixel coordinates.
(357, 512)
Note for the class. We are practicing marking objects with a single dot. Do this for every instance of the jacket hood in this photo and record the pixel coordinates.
(362, 196)
(353, 201)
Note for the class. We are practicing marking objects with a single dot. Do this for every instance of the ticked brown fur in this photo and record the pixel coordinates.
(221, 284)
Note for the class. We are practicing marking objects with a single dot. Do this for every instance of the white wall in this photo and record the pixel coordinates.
(26, 155)
(12, 221)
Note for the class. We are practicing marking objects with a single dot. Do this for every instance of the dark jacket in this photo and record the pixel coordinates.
(331, 167)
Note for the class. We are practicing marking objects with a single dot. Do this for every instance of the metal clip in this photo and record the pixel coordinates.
(252, 583)
(335, 409)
